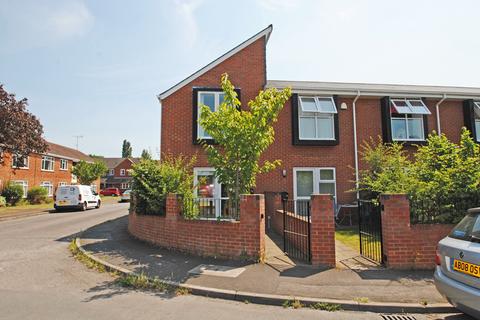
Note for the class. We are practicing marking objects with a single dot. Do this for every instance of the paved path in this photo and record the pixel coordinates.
(39, 280)
(111, 242)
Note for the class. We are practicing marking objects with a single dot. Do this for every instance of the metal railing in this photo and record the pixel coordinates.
(370, 230)
(211, 208)
(296, 229)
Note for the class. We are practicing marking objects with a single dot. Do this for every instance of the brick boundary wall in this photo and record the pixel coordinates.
(322, 227)
(407, 246)
(244, 239)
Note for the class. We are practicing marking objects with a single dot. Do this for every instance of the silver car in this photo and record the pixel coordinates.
(457, 275)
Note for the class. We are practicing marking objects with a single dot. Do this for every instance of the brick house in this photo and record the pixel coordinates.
(119, 174)
(321, 127)
(49, 170)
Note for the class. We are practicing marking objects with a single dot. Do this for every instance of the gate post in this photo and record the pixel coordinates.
(322, 230)
(396, 230)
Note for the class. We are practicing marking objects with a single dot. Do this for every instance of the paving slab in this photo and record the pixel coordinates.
(111, 242)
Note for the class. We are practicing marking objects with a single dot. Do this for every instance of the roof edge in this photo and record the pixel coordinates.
(263, 33)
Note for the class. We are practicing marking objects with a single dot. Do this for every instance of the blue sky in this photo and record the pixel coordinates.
(93, 68)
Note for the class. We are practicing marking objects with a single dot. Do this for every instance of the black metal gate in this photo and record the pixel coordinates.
(296, 229)
(370, 230)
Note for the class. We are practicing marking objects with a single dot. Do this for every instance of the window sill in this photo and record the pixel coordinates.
(312, 142)
(21, 168)
(47, 170)
(411, 142)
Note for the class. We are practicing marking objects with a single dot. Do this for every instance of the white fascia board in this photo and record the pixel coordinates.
(264, 33)
(367, 89)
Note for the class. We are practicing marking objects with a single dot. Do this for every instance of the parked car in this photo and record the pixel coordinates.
(111, 192)
(76, 197)
(126, 196)
(457, 275)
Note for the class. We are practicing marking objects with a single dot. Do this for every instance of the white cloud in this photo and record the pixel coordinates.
(278, 5)
(186, 11)
(30, 24)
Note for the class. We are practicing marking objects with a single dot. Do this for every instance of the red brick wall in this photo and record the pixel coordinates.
(125, 164)
(408, 246)
(239, 239)
(34, 174)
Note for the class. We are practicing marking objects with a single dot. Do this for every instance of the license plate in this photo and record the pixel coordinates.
(467, 268)
(63, 202)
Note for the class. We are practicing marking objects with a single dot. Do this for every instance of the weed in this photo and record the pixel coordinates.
(424, 302)
(182, 291)
(246, 301)
(142, 281)
(361, 300)
(295, 304)
(331, 307)
(87, 261)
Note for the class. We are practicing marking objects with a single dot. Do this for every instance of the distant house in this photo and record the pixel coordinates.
(119, 174)
(50, 169)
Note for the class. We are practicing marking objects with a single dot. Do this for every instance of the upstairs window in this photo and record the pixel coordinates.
(122, 172)
(19, 162)
(111, 172)
(407, 119)
(47, 163)
(476, 112)
(63, 164)
(211, 99)
(316, 118)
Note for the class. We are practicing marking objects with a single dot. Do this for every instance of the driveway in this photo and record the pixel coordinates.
(40, 280)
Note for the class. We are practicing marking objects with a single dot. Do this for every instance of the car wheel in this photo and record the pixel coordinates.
(84, 206)
(99, 203)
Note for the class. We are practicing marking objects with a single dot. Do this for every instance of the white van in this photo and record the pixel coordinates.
(76, 197)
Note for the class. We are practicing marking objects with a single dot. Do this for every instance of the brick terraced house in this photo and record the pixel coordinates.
(321, 127)
(119, 174)
(49, 170)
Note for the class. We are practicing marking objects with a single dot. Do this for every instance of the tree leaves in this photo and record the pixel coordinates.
(87, 172)
(20, 131)
(241, 136)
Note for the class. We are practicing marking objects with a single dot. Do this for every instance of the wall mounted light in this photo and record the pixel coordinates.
(284, 173)
(344, 106)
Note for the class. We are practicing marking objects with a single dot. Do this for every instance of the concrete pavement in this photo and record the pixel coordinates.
(40, 280)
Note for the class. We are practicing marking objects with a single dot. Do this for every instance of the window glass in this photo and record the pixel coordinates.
(307, 127)
(304, 183)
(208, 99)
(221, 97)
(477, 129)
(308, 104)
(418, 107)
(325, 128)
(415, 128)
(399, 129)
(400, 106)
(468, 229)
(326, 188)
(205, 184)
(326, 174)
(326, 105)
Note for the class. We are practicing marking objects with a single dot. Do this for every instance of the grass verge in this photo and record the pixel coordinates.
(87, 261)
(348, 236)
(331, 307)
(143, 282)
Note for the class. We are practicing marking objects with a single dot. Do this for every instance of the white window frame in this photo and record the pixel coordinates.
(51, 159)
(410, 108)
(315, 115)
(217, 187)
(404, 117)
(477, 120)
(122, 172)
(63, 164)
(26, 161)
(111, 172)
(125, 185)
(217, 95)
(24, 184)
(316, 180)
(49, 186)
(62, 184)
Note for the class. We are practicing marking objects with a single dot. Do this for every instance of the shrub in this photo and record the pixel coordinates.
(3, 202)
(13, 193)
(37, 195)
(153, 180)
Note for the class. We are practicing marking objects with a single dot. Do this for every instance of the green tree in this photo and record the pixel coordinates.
(241, 136)
(146, 155)
(126, 149)
(153, 180)
(87, 172)
(20, 131)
